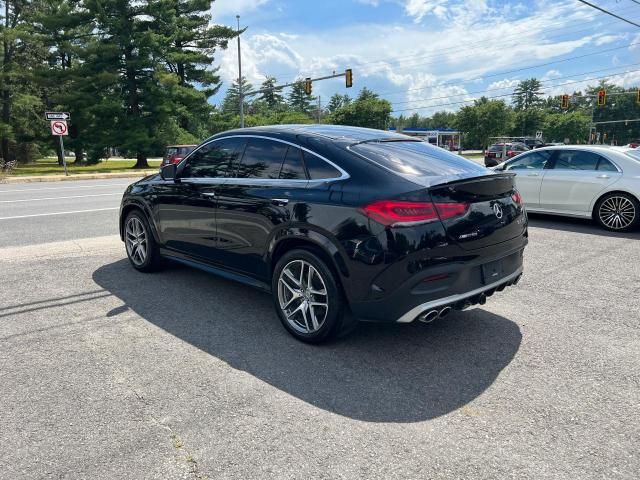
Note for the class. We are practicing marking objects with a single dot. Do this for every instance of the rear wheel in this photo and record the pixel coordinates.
(618, 212)
(142, 249)
(307, 297)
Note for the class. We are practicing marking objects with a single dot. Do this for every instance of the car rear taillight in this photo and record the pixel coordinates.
(510, 153)
(516, 197)
(394, 213)
(176, 159)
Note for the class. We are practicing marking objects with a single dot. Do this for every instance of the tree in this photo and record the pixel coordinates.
(231, 101)
(338, 101)
(527, 94)
(573, 126)
(442, 120)
(298, 100)
(368, 110)
(483, 120)
(272, 98)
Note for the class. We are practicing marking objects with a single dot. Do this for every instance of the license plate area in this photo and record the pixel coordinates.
(492, 271)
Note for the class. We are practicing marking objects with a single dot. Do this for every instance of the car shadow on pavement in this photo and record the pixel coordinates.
(379, 373)
(575, 225)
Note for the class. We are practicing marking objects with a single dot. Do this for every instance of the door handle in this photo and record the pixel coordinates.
(281, 202)
(209, 194)
(533, 174)
(603, 176)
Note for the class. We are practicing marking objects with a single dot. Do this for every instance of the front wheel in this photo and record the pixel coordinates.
(142, 249)
(307, 297)
(618, 212)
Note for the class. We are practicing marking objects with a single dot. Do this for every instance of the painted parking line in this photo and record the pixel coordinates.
(60, 198)
(59, 213)
(64, 188)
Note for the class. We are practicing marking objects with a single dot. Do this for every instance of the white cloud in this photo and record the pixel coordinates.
(503, 84)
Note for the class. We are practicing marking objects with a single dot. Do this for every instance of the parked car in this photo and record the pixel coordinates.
(532, 143)
(330, 219)
(495, 153)
(598, 182)
(175, 153)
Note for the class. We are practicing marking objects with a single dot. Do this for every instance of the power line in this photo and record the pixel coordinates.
(503, 95)
(506, 72)
(543, 81)
(443, 52)
(609, 13)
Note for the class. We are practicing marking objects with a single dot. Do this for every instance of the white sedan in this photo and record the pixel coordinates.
(590, 181)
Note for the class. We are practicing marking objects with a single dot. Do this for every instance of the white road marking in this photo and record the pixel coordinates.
(64, 188)
(59, 213)
(60, 198)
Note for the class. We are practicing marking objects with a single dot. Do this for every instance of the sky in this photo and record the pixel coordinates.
(432, 55)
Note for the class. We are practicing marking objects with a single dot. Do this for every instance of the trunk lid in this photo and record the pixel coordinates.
(493, 215)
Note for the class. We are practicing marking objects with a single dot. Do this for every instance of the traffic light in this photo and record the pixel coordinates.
(565, 102)
(602, 98)
(308, 86)
(348, 78)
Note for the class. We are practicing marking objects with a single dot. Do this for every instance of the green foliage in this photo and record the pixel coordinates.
(338, 101)
(298, 100)
(273, 99)
(483, 120)
(368, 110)
(571, 126)
(528, 94)
(231, 102)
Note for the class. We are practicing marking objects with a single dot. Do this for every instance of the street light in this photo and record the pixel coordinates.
(241, 97)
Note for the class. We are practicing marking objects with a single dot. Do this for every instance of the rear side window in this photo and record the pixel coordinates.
(606, 166)
(416, 159)
(576, 160)
(319, 169)
(293, 168)
(262, 159)
(215, 159)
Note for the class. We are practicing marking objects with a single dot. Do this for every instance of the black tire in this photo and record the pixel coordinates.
(333, 314)
(617, 212)
(152, 260)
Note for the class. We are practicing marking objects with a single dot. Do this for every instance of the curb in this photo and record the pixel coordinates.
(80, 176)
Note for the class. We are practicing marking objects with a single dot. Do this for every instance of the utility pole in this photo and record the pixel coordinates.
(240, 93)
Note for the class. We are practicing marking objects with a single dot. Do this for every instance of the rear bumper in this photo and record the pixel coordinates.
(456, 285)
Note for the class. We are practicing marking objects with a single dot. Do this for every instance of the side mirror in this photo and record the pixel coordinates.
(168, 172)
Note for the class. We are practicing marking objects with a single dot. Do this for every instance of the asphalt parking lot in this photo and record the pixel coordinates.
(109, 373)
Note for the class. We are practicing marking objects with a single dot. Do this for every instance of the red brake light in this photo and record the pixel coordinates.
(516, 197)
(397, 213)
(510, 153)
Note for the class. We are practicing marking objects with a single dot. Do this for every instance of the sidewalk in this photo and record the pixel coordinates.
(78, 176)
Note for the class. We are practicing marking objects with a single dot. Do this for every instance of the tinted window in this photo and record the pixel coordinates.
(293, 168)
(606, 166)
(576, 160)
(262, 159)
(319, 169)
(533, 160)
(417, 159)
(497, 147)
(216, 159)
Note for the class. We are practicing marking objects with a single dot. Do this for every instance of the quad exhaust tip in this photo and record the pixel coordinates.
(429, 316)
(444, 312)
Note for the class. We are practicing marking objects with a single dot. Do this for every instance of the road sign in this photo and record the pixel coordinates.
(57, 115)
(538, 134)
(59, 127)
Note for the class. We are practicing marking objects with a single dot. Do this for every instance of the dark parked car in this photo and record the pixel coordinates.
(175, 153)
(499, 152)
(330, 219)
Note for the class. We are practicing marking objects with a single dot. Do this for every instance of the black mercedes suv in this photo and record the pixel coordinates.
(331, 219)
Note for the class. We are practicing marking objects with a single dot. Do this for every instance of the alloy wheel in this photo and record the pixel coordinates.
(136, 241)
(302, 295)
(617, 212)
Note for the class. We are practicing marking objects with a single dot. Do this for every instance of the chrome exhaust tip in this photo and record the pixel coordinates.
(444, 312)
(429, 316)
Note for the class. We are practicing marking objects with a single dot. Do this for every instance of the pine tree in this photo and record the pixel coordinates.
(298, 100)
(231, 102)
(273, 98)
